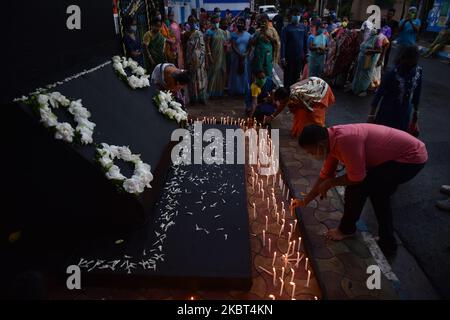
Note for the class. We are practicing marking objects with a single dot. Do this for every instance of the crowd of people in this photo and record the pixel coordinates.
(222, 54)
(214, 54)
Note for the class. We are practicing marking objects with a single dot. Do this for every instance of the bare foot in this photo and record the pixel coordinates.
(337, 235)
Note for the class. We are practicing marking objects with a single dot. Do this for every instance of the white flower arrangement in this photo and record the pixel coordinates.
(169, 107)
(138, 78)
(44, 102)
(142, 175)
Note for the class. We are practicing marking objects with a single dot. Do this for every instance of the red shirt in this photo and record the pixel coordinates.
(363, 146)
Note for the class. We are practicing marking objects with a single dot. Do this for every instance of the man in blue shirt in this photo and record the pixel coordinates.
(408, 29)
(293, 48)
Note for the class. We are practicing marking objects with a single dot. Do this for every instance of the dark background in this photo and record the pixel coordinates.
(41, 50)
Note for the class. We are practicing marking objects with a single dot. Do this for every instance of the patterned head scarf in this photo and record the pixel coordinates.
(309, 91)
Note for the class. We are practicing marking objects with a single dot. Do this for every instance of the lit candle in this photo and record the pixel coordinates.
(282, 272)
(275, 207)
(287, 195)
(274, 257)
(264, 238)
(289, 236)
(306, 264)
(295, 223)
(289, 248)
(293, 247)
(283, 213)
(281, 287)
(267, 222)
(278, 217)
(268, 203)
(285, 260)
(292, 275)
(262, 191)
(309, 276)
(292, 227)
(298, 259)
(254, 211)
(293, 290)
(274, 277)
(270, 245)
(299, 243)
(282, 228)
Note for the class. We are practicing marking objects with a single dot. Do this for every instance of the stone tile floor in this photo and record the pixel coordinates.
(340, 267)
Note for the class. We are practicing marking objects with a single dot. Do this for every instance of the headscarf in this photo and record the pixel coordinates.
(310, 91)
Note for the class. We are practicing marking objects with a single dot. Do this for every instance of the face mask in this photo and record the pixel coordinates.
(344, 24)
(260, 82)
(167, 22)
(216, 25)
(295, 19)
(133, 28)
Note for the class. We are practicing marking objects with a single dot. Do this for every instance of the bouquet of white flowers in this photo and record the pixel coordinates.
(169, 107)
(142, 175)
(45, 102)
(138, 78)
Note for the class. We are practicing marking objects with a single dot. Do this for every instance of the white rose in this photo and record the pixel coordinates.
(86, 135)
(64, 131)
(114, 173)
(48, 118)
(116, 59)
(42, 99)
(84, 123)
(125, 153)
(81, 112)
(170, 113)
(139, 71)
(105, 161)
(133, 186)
(145, 82)
(133, 81)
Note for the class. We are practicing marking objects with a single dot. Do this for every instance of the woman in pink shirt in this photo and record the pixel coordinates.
(377, 160)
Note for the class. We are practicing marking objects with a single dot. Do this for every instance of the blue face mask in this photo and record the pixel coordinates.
(295, 19)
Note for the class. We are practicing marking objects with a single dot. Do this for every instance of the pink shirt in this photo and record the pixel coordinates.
(363, 146)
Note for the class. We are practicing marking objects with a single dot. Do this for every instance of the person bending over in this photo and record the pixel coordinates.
(377, 160)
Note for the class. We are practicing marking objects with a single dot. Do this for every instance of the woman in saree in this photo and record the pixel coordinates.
(309, 101)
(154, 43)
(195, 63)
(176, 31)
(266, 45)
(317, 53)
(347, 52)
(369, 53)
(215, 50)
(383, 43)
(238, 83)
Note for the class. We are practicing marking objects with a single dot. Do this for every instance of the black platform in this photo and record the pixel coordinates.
(199, 238)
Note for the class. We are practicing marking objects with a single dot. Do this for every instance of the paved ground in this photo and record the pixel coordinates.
(422, 228)
(340, 266)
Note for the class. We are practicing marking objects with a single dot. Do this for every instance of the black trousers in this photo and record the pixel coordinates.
(292, 73)
(380, 184)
